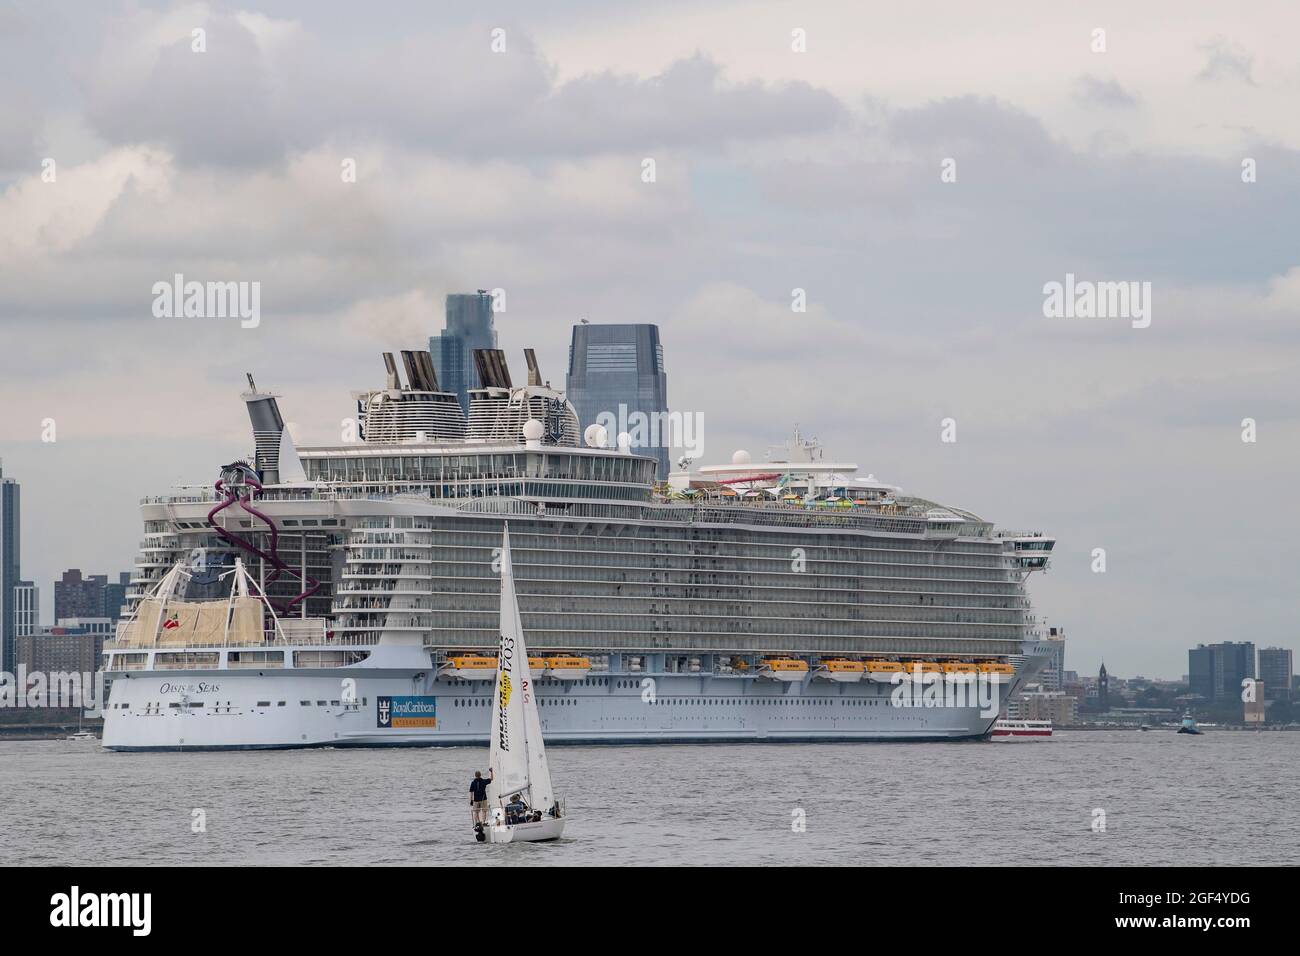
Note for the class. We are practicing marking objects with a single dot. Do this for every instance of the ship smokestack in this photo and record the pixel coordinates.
(534, 372)
(268, 428)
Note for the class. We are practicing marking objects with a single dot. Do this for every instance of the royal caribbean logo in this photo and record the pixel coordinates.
(407, 711)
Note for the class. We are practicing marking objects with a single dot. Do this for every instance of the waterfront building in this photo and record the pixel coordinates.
(27, 608)
(1275, 670)
(10, 572)
(1215, 671)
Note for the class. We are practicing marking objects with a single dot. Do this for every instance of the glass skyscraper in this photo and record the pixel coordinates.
(9, 571)
(469, 327)
(618, 370)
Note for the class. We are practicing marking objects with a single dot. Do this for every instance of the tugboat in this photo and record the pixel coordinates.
(1188, 725)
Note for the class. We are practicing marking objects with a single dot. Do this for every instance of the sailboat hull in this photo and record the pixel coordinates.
(545, 829)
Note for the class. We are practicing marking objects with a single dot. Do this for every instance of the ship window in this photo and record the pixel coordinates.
(263, 703)
(320, 703)
(280, 704)
(334, 703)
(304, 703)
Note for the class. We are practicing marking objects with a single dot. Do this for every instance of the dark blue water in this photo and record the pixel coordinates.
(1222, 798)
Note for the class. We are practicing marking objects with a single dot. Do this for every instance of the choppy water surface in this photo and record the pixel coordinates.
(1222, 798)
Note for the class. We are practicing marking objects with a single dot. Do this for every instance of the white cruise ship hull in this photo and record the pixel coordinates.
(397, 699)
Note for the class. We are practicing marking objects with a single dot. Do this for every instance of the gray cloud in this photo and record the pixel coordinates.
(249, 99)
(1225, 60)
(1107, 94)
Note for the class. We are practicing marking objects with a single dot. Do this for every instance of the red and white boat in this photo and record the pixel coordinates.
(1022, 728)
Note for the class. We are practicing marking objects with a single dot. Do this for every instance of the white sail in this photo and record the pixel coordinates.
(516, 756)
(539, 774)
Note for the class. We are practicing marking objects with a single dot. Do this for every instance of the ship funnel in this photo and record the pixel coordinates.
(425, 361)
(414, 373)
(492, 369)
(534, 372)
(394, 382)
(268, 431)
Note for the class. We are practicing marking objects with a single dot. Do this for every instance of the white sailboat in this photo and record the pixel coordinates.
(517, 756)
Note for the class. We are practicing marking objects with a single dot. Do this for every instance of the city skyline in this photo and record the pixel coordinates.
(775, 171)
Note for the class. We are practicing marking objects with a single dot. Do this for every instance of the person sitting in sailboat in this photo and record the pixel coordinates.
(516, 810)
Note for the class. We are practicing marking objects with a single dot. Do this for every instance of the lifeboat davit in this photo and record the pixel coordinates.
(567, 667)
(882, 672)
(471, 667)
(843, 672)
(783, 669)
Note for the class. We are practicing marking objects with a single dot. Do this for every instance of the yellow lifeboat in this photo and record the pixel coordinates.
(537, 666)
(883, 671)
(567, 667)
(959, 667)
(783, 668)
(998, 671)
(841, 671)
(915, 669)
(471, 667)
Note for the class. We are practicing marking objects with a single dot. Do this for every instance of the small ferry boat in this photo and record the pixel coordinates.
(83, 735)
(1010, 729)
(522, 805)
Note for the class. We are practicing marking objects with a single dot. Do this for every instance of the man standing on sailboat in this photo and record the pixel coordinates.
(478, 795)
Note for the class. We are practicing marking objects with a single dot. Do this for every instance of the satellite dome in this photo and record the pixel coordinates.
(740, 458)
(595, 436)
(533, 430)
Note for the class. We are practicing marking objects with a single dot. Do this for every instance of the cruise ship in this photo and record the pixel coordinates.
(347, 595)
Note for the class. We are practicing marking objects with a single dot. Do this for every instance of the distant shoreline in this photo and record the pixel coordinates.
(1234, 727)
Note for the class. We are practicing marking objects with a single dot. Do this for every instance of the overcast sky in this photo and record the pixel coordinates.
(774, 170)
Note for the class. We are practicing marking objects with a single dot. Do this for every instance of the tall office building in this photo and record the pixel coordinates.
(469, 327)
(78, 595)
(1215, 671)
(618, 371)
(1275, 669)
(115, 596)
(9, 570)
(27, 608)
(1200, 671)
